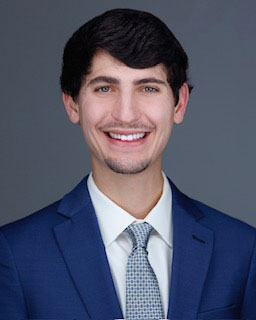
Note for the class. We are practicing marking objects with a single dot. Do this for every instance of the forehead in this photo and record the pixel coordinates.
(103, 64)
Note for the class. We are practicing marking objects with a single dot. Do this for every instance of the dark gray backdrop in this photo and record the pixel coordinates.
(211, 156)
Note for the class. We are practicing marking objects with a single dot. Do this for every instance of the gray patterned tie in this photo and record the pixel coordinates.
(143, 299)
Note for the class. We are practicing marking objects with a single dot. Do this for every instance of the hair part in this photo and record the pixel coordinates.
(136, 38)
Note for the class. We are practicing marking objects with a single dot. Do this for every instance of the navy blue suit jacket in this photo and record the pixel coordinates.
(53, 264)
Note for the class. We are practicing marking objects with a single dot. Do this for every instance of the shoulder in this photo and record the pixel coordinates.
(231, 236)
(228, 231)
(210, 217)
(38, 226)
(218, 218)
(33, 226)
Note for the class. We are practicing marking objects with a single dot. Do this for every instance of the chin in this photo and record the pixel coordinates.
(127, 166)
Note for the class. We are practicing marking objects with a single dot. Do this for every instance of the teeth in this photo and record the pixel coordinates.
(129, 137)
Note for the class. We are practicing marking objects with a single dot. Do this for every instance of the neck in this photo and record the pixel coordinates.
(135, 193)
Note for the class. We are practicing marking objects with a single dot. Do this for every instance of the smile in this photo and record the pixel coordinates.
(126, 139)
(129, 137)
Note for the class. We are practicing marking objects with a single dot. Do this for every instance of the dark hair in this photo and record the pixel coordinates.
(136, 38)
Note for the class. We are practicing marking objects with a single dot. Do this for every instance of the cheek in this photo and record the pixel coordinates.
(162, 115)
(163, 118)
(90, 115)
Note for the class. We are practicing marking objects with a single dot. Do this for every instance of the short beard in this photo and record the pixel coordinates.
(127, 166)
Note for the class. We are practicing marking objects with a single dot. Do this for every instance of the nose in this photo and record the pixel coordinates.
(126, 108)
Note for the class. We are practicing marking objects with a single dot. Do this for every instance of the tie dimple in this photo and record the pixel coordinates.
(143, 300)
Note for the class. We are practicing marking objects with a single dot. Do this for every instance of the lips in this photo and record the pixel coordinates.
(127, 139)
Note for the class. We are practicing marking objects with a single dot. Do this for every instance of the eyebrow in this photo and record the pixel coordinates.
(112, 80)
(102, 79)
(149, 80)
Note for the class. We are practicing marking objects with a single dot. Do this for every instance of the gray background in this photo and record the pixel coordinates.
(211, 156)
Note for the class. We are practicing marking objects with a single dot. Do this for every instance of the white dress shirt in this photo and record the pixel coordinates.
(113, 220)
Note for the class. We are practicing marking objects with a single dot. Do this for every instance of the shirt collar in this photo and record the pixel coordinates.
(113, 220)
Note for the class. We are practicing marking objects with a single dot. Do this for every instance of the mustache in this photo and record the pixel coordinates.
(122, 125)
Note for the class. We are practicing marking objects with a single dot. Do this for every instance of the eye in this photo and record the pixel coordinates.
(103, 89)
(150, 89)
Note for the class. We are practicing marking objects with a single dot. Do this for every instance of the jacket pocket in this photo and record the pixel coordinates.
(230, 312)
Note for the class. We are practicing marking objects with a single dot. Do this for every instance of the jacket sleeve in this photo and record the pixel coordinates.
(248, 310)
(12, 303)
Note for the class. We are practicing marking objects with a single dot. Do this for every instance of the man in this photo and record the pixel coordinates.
(126, 243)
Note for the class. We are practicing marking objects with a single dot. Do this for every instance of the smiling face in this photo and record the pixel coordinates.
(126, 114)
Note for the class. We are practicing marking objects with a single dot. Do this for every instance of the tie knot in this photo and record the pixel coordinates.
(139, 233)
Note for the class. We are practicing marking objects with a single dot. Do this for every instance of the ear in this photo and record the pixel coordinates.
(180, 108)
(71, 107)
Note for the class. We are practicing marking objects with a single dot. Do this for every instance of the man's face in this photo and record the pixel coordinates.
(126, 114)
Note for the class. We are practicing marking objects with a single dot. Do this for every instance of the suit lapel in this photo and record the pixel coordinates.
(80, 242)
(192, 249)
